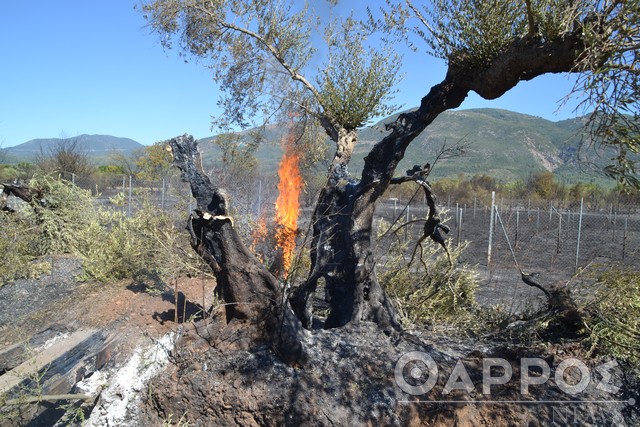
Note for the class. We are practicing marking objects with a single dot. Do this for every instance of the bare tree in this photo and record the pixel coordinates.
(66, 157)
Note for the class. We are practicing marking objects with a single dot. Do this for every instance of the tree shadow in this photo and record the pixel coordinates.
(150, 282)
(187, 310)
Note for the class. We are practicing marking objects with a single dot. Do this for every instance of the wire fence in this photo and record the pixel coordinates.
(552, 238)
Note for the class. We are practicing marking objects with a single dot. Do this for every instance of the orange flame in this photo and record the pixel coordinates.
(259, 232)
(288, 205)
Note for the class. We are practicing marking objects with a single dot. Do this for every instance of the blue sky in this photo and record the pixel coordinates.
(76, 66)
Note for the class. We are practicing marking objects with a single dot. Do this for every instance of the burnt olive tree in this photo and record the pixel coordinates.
(341, 72)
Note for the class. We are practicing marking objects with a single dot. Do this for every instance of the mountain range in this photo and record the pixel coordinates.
(97, 147)
(503, 144)
(500, 143)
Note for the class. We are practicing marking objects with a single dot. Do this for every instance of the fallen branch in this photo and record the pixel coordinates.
(47, 398)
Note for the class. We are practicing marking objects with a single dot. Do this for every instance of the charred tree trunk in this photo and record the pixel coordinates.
(341, 251)
(251, 294)
(341, 254)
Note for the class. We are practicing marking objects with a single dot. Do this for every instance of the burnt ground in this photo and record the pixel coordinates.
(66, 334)
(351, 379)
(57, 331)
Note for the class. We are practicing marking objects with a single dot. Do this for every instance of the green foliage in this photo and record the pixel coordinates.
(476, 31)
(237, 160)
(143, 246)
(626, 139)
(431, 290)
(63, 218)
(544, 185)
(18, 248)
(469, 190)
(241, 40)
(259, 51)
(112, 169)
(608, 84)
(614, 322)
(154, 163)
(8, 173)
(22, 170)
(356, 84)
(63, 214)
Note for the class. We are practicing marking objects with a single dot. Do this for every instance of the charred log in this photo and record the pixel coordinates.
(20, 191)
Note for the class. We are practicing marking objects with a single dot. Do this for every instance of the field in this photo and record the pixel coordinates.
(555, 241)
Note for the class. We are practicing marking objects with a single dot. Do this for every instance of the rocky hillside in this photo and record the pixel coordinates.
(500, 143)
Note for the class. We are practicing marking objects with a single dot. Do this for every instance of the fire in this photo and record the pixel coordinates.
(288, 205)
(259, 233)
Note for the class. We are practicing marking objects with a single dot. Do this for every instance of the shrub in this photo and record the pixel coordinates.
(613, 323)
(65, 219)
(433, 289)
(18, 249)
(64, 213)
(145, 245)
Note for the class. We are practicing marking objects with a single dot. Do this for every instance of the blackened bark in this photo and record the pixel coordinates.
(250, 293)
(341, 250)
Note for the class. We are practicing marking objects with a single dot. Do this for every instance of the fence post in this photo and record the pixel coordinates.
(129, 207)
(475, 202)
(491, 215)
(559, 232)
(124, 181)
(459, 226)
(259, 199)
(73, 178)
(455, 217)
(406, 229)
(579, 232)
(515, 243)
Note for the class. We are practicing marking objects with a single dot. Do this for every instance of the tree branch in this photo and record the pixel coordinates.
(330, 125)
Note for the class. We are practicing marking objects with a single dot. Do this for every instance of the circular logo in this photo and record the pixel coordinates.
(585, 376)
(416, 373)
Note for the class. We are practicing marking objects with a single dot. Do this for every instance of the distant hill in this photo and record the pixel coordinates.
(97, 147)
(499, 143)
